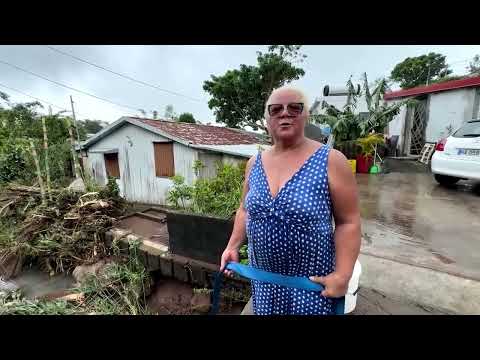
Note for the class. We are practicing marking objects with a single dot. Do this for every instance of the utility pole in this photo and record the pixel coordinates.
(75, 120)
(49, 110)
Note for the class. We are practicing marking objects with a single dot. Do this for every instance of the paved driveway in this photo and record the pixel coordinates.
(408, 218)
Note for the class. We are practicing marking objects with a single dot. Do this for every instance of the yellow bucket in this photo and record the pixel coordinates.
(353, 165)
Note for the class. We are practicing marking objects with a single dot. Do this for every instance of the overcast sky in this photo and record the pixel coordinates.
(183, 69)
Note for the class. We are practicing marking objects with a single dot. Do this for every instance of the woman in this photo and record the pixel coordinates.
(290, 194)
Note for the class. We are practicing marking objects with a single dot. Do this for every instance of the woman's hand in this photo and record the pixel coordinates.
(336, 285)
(229, 255)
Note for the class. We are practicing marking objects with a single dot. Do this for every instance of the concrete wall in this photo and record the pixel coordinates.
(138, 181)
(449, 108)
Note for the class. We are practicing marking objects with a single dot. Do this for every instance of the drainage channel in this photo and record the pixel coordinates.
(181, 284)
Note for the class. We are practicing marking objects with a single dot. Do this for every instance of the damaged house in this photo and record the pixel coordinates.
(144, 154)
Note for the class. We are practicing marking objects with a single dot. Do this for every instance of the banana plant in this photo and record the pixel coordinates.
(347, 124)
(379, 113)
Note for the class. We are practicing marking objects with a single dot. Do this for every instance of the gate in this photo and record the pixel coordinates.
(415, 127)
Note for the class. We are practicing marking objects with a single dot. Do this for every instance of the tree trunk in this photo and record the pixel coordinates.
(45, 148)
(39, 172)
(78, 170)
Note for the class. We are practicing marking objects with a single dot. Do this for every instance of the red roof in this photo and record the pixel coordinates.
(198, 134)
(444, 86)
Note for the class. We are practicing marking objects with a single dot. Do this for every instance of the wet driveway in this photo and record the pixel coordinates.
(408, 218)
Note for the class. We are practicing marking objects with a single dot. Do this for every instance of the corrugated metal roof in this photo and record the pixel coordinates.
(444, 86)
(184, 133)
(197, 134)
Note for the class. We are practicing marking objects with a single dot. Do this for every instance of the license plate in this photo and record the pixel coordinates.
(469, 152)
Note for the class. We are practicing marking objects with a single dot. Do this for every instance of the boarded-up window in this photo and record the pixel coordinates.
(164, 165)
(111, 165)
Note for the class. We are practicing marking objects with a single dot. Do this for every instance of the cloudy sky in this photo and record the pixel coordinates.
(181, 69)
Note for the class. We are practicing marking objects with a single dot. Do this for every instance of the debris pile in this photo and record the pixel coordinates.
(64, 232)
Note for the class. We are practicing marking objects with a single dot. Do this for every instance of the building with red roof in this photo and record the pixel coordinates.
(440, 109)
(144, 154)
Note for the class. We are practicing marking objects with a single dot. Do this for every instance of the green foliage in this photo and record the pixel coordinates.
(186, 118)
(197, 167)
(288, 51)
(111, 190)
(418, 70)
(474, 66)
(219, 196)
(239, 96)
(15, 304)
(19, 122)
(120, 288)
(244, 254)
(12, 162)
(180, 193)
(348, 124)
(87, 126)
(368, 143)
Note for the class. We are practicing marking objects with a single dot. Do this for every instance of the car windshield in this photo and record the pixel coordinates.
(471, 129)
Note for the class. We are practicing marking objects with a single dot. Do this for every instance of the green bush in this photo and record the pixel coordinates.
(180, 194)
(219, 196)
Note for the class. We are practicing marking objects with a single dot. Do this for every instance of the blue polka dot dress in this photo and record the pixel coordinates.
(291, 234)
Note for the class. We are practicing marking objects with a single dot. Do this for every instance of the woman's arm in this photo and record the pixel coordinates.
(239, 227)
(346, 212)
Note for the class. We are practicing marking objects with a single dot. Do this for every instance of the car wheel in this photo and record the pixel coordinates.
(446, 180)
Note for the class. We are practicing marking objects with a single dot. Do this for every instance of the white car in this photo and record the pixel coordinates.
(458, 156)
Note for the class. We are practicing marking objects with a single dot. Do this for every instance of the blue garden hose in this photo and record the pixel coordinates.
(252, 273)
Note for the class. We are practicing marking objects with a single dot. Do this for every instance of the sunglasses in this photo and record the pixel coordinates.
(293, 109)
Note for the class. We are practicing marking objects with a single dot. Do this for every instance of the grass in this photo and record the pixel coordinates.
(15, 304)
(119, 289)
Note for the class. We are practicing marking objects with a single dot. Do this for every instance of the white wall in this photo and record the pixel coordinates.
(395, 127)
(453, 107)
(138, 181)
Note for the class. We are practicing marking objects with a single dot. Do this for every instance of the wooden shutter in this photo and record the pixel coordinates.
(164, 165)
(111, 165)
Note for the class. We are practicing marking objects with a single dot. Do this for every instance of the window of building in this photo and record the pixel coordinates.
(164, 164)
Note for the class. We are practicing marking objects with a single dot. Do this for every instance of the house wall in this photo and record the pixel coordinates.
(137, 181)
(446, 108)
(396, 126)
(210, 159)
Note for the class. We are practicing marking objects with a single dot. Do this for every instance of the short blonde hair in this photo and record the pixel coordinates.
(303, 98)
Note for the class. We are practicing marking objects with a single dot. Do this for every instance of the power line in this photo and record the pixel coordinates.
(67, 86)
(122, 75)
(33, 97)
(38, 99)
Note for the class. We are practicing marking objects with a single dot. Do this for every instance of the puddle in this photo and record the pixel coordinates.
(409, 216)
(148, 227)
(34, 283)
